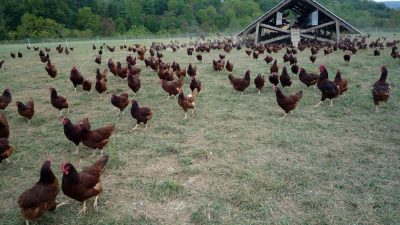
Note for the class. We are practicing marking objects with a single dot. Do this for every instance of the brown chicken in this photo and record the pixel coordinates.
(130, 60)
(121, 101)
(287, 103)
(101, 86)
(134, 83)
(199, 57)
(274, 68)
(76, 77)
(381, 89)
(187, 102)
(240, 84)
(285, 78)
(229, 66)
(5, 99)
(4, 128)
(98, 59)
(73, 132)
(58, 101)
(274, 79)
(347, 57)
(313, 58)
(195, 84)
(51, 69)
(87, 85)
(100, 75)
(192, 70)
(1, 63)
(141, 114)
(84, 185)
(329, 90)
(5, 150)
(170, 87)
(27, 110)
(309, 79)
(121, 72)
(218, 64)
(41, 198)
(96, 139)
(268, 59)
(341, 83)
(259, 82)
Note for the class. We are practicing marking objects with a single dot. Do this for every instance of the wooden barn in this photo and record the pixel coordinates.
(293, 20)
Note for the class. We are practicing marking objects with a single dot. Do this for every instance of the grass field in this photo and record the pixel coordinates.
(235, 161)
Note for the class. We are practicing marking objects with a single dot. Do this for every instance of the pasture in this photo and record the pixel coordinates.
(234, 161)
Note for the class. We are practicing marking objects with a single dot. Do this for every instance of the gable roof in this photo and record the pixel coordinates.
(313, 3)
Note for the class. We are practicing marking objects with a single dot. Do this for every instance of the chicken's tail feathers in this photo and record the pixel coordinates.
(102, 161)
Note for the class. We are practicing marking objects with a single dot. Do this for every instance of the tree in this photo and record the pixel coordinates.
(87, 20)
(39, 27)
(108, 26)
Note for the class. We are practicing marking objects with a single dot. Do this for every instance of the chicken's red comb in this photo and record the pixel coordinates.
(63, 165)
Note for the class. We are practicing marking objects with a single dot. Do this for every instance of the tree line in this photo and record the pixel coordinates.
(21, 19)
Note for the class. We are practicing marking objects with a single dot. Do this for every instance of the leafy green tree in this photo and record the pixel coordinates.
(33, 26)
(87, 20)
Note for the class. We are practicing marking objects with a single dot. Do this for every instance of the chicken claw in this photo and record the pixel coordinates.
(95, 203)
(135, 127)
(84, 209)
(318, 104)
(61, 204)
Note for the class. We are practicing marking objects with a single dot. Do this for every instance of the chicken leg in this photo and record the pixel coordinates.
(74, 89)
(26, 222)
(377, 108)
(331, 102)
(185, 115)
(95, 203)
(135, 127)
(61, 204)
(318, 104)
(84, 209)
(77, 150)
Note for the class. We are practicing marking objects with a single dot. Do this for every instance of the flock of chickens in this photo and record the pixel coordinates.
(88, 183)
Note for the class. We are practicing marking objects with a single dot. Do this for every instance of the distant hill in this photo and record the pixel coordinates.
(392, 4)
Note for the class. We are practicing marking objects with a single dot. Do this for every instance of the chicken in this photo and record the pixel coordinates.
(41, 198)
(218, 64)
(180, 72)
(57, 101)
(121, 72)
(229, 66)
(377, 52)
(12, 54)
(4, 128)
(240, 84)
(84, 185)
(96, 139)
(73, 132)
(130, 60)
(341, 83)
(287, 103)
(347, 57)
(188, 102)
(199, 57)
(285, 78)
(170, 87)
(1, 63)
(268, 59)
(313, 58)
(101, 86)
(381, 89)
(5, 99)
(221, 56)
(259, 82)
(141, 114)
(5, 149)
(27, 110)
(274, 68)
(121, 101)
(134, 70)
(87, 85)
(112, 67)
(195, 84)
(295, 68)
(51, 69)
(192, 70)
(98, 59)
(328, 88)
(100, 75)
(76, 77)
(308, 79)
(274, 79)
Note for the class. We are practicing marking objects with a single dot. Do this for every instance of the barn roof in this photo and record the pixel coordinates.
(299, 6)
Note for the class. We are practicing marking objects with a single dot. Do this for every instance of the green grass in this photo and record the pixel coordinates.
(235, 161)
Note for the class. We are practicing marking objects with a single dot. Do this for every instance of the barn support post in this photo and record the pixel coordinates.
(256, 39)
(337, 32)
